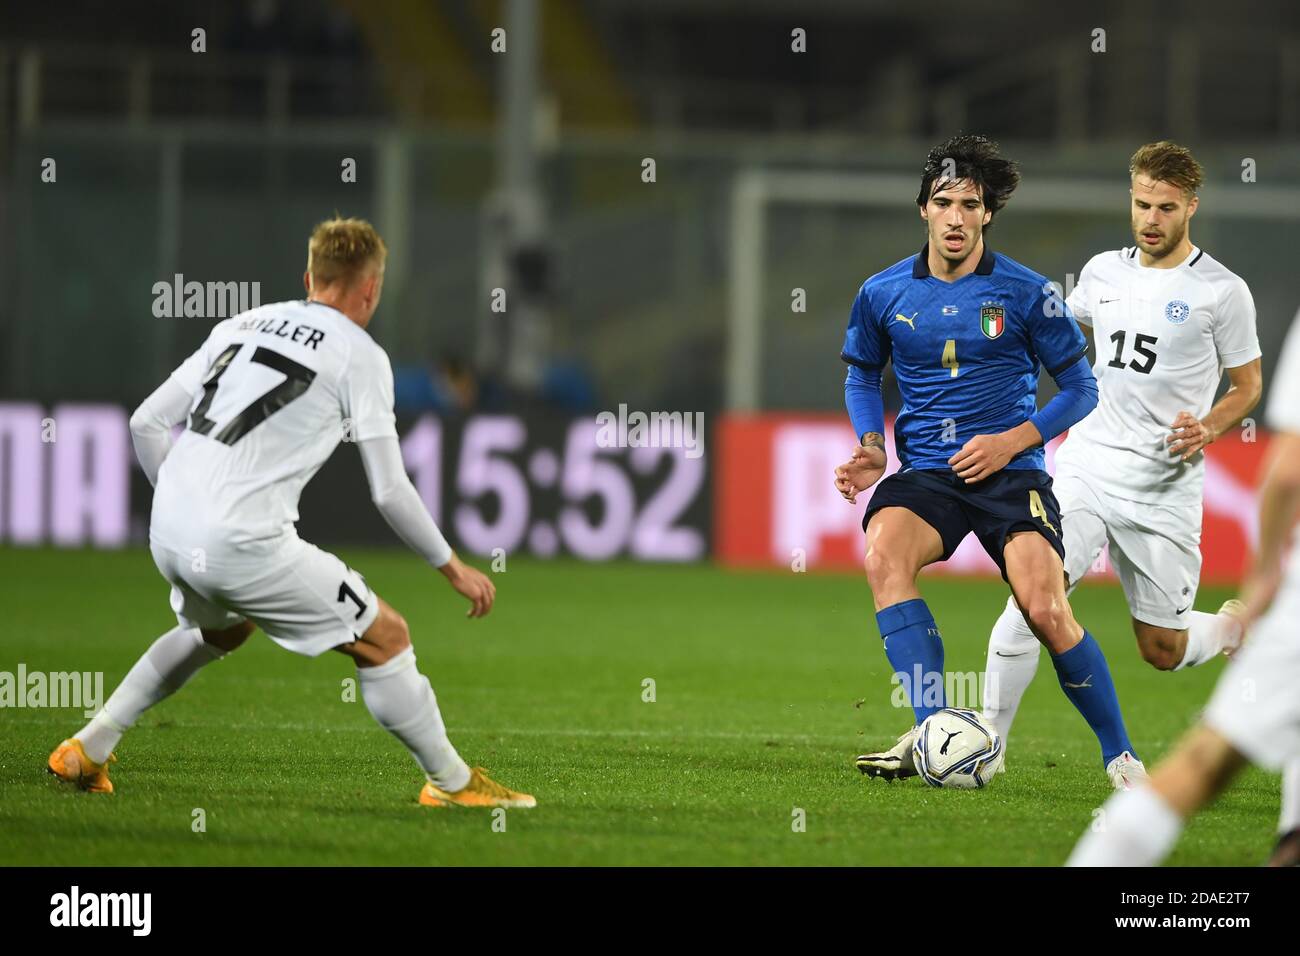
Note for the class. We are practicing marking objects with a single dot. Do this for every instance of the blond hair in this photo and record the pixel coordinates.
(1168, 162)
(343, 249)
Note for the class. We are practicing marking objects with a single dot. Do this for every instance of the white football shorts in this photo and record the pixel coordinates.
(305, 599)
(1255, 704)
(1155, 549)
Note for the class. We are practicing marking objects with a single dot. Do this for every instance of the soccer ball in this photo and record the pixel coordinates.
(957, 748)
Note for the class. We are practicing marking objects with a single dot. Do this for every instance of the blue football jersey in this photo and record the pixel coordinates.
(966, 354)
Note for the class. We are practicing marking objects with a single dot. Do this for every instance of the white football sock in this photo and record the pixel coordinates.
(161, 671)
(1012, 662)
(1206, 636)
(1134, 828)
(1290, 819)
(402, 701)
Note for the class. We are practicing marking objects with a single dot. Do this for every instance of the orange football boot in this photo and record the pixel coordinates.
(69, 762)
(481, 791)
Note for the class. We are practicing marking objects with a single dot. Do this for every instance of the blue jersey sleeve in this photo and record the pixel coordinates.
(1076, 399)
(862, 396)
(866, 344)
(1055, 335)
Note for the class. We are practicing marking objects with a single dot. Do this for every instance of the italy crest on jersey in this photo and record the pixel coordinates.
(993, 320)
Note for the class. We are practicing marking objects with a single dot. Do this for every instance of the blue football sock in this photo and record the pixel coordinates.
(1085, 678)
(915, 651)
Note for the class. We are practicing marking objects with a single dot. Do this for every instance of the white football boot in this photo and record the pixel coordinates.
(896, 763)
(1126, 772)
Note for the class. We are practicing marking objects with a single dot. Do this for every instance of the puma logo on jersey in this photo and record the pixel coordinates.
(900, 317)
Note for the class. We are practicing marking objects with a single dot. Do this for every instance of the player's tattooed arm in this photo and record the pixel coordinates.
(864, 467)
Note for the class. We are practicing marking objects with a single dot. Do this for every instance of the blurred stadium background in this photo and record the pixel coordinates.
(132, 165)
(525, 170)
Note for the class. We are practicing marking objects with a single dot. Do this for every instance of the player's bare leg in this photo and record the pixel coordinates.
(1287, 850)
(231, 639)
(1286, 853)
(1014, 649)
(164, 668)
(1037, 580)
(1199, 769)
(1140, 827)
(899, 545)
(1170, 649)
(402, 701)
(1161, 647)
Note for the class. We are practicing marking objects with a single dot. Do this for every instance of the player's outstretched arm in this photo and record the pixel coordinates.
(867, 412)
(1057, 341)
(863, 469)
(398, 501)
(984, 455)
(151, 425)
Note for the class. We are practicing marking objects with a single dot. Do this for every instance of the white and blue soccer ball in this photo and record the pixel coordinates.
(957, 748)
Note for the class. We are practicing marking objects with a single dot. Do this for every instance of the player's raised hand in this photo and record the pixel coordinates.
(1190, 436)
(471, 583)
(982, 456)
(861, 471)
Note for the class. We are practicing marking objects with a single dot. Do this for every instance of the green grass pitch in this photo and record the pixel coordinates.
(766, 684)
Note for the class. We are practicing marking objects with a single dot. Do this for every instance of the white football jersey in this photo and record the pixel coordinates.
(1163, 339)
(1283, 415)
(274, 389)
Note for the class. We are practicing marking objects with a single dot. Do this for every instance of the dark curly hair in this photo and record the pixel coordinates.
(976, 159)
